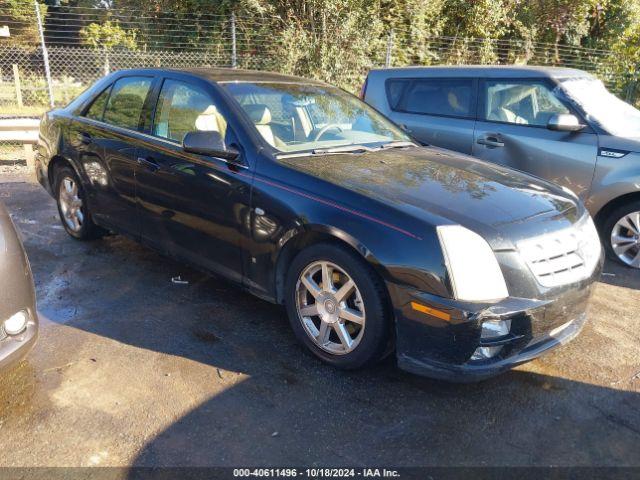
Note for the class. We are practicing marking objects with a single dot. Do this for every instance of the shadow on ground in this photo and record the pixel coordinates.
(269, 403)
(620, 275)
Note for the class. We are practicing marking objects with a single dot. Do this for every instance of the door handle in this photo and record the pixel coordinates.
(148, 163)
(491, 141)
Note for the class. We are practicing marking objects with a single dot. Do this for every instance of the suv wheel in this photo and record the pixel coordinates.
(338, 307)
(72, 206)
(622, 234)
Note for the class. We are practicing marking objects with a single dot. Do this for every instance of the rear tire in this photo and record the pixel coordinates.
(72, 206)
(347, 323)
(621, 234)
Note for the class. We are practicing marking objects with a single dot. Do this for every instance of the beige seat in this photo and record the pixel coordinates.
(500, 102)
(211, 120)
(260, 115)
(505, 115)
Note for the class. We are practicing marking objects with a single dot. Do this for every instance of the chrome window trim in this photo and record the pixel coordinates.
(128, 131)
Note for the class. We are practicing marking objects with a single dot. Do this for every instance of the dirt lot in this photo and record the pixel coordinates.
(133, 369)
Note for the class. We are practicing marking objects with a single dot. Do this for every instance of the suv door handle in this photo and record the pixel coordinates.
(149, 163)
(491, 141)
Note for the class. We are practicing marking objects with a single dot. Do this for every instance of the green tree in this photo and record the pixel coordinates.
(21, 18)
(624, 64)
(106, 37)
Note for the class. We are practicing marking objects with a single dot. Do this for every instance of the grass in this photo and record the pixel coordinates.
(11, 152)
(35, 97)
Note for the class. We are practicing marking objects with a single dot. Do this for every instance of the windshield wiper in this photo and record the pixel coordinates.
(343, 149)
(362, 148)
(398, 144)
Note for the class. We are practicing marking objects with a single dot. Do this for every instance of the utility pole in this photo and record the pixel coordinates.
(45, 53)
(387, 60)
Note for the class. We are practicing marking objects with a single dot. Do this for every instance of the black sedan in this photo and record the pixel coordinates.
(305, 196)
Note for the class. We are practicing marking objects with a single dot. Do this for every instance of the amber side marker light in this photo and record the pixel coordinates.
(430, 311)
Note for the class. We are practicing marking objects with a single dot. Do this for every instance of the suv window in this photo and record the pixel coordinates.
(452, 97)
(184, 108)
(126, 102)
(525, 103)
(96, 110)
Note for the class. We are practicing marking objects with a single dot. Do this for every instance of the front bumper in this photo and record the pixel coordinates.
(439, 348)
(41, 174)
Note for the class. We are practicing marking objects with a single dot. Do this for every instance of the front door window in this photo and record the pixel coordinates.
(521, 103)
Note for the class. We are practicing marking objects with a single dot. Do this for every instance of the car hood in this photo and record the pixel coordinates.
(631, 144)
(442, 187)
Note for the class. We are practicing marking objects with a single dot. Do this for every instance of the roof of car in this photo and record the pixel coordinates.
(486, 71)
(234, 75)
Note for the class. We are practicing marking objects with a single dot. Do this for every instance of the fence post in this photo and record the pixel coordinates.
(387, 60)
(16, 81)
(234, 56)
(45, 54)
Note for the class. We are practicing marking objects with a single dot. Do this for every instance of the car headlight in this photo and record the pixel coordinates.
(590, 243)
(474, 270)
(16, 323)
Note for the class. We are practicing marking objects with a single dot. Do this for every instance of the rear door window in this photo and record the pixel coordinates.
(451, 97)
(126, 102)
(184, 108)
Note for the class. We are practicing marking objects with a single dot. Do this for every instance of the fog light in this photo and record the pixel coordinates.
(495, 328)
(491, 329)
(485, 353)
(16, 323)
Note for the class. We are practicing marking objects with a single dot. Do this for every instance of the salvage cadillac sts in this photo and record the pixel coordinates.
(18, 317)
(305, 196)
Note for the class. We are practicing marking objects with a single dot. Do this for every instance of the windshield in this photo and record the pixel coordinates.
(295, 117)
(602, 107)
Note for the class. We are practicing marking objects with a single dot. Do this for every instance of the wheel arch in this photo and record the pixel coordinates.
(601, 216)
(56, 162)
(294, 241)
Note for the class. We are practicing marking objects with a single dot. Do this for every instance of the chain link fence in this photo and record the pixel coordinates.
(83, 44)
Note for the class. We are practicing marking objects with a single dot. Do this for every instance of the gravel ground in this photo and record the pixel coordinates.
(131, 369)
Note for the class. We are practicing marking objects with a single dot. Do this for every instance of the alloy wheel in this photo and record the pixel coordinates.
(625, 239)
(71, 204)
(330, 307)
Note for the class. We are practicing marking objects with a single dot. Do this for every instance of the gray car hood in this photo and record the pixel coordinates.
(619, 143)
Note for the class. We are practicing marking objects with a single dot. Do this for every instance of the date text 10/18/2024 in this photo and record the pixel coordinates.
(316, 472)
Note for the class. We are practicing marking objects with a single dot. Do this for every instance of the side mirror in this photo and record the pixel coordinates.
(210, 144)
(564, 122)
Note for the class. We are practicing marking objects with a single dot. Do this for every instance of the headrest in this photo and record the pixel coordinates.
(207, 121)
(258, 113)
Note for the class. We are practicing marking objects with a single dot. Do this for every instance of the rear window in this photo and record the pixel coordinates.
(126, 102)
(96, 110)
(436, 96)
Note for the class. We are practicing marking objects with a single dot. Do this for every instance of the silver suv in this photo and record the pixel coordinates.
(559, 124)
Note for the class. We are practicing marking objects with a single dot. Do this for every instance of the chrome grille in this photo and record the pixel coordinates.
(565, 256)
(3, 334)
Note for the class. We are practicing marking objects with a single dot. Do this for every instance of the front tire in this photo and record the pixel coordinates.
(621, 234)
(338, 306)
(72, 206)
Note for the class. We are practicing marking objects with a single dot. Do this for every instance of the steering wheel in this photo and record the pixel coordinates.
(325, 129)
